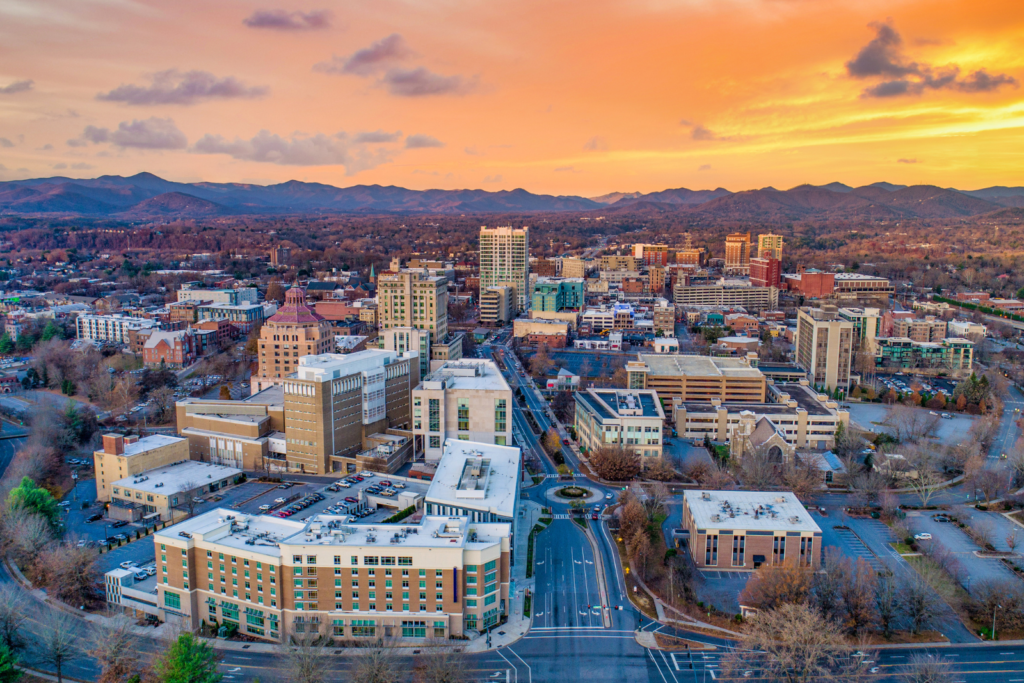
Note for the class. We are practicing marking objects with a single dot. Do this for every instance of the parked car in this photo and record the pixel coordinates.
(94, 518)
(399, 485)
(344, 484)
(127, 564)
(350, 499)
(385, 483)
(565, 442)
(121, 537)
(119, 523)
(264, 508)
(366, 473)
(922, 537)
(279, 500)
(64, 504)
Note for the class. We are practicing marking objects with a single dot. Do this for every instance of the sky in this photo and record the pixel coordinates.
(575, 98)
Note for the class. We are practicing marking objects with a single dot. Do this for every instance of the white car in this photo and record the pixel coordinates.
(279, 500)
(399, 485)
(922, 537)
(264, 508)
(366, 474)
(127, 564)
(343, 484)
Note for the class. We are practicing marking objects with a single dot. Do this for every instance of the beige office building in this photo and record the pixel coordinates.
(277, 579)
(467, 400)
(697, 378)
(769, 246)
(619, 262)
(737, 253)
(576, 267)
(296, 330)
(164, 493)
(125, 456)
(505, 260)
(497, 304)
(413, 299)
(824, 346)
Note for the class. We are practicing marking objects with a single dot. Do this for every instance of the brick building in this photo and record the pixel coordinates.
(173, 349)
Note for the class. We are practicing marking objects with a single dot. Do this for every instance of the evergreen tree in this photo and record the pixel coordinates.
(188, 660)
(6, 344)
(35, 500)
(8, 665)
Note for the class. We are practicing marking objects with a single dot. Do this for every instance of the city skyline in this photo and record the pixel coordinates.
(628, 97)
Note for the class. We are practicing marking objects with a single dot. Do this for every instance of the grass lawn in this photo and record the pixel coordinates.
(582, 521)
(901, 548)
(537, 528)
(943, 584)
(527, 604)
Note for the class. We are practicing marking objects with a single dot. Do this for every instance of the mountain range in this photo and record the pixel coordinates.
(147, 197)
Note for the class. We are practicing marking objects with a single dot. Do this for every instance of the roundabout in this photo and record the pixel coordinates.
(573, 492)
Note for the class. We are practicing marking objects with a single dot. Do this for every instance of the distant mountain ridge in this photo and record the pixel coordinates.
(146, 196)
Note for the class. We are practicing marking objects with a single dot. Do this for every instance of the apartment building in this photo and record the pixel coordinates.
(505, 260)
(862, 287)
(413, 299)
(176, 349)
(867, 326)
(803, 418)
(244, 316)
(737, 253)
(906, 354)
(113, 328)
(273, 578)
(697, 378)
(126, 456)
(754, 299)
(927, 329)
(611, 262)
(576, 267)
(629, 417)
(614, 317)
(743, 530)
(770, 245)
(825, 346)
(244, 295)
(497, 304)
(468, 400)
(557, 294)
(765, 271)
(967, 329)
(691, 257)
(664, 316)
(651, 254)
(295, 330)
(164, 493)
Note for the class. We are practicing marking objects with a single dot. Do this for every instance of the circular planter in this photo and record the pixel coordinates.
(574, 492)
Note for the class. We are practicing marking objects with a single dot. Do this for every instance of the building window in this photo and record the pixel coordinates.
(779, 551)
(172, 600)
(738, 550)
(711, 550)
(435, 442)
(463, 406)
(806, 552)
(499, 416)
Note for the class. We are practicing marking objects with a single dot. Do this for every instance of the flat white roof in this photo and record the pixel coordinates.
(173, 478)
(748, 511)
(324, 367)
(266, 534)
(149, 443)
(467, 373)
(479, 476)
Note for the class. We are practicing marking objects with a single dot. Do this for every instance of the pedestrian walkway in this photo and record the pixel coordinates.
(856, 548)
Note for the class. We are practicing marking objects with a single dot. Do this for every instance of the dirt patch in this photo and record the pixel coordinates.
(673, 644)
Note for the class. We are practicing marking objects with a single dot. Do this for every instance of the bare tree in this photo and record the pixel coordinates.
(911, 424)
(68, 572)
(805, 480)
(991, 483)
(659, 469)
(770, 587)
(791, 643)
(443, 663)
(615, 462)
(917, 601)
(924, 477)
(26, 534)
(925, 668)
(307, 659)
(641, 550)
(56, 642)
(826, 590)
(887, 604)
(13, 614)
(759, 470)
(115, 648)
(378, 664)
(858, 596)
(189, 490)
(1011, 540)
(652, 497)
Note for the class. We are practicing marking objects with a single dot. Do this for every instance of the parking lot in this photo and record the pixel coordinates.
(950, 535)
(872, 416)
(907, 383)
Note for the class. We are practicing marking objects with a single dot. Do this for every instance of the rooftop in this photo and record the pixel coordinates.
(698, 366)
(472, 374)
(149, 443)
(327, 366)
(748, 510)
(612, 404)
(266, 535)
(477, 475)
(182, 476)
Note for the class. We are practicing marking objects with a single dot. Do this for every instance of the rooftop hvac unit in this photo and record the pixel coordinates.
(705, 496)
(780, 499)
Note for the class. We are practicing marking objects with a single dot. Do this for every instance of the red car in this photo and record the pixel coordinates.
(385, 483)
(350, 499)
(357, 478)
(565, 442)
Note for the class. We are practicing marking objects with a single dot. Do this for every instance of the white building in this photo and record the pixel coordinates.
(966, 329)
(111, 328)
(476, 480)
(632, 418)
(505, 260)
(466, 399)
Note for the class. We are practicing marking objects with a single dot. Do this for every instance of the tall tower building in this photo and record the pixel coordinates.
(770, 243)
(505, 260)
(296, 330)
(415, 300)
(825, 346)
(737, 253)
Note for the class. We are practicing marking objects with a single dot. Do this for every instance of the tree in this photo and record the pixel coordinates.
(115, 648)
(13, 614)
(911, 424)
(275, 292)
(887, 604)
(443, 663)
(307, 659)
(6, 344)
(620, 378)
(641, 549)
(826, 590)
(163, 404)
(56, 642)
(858, 595)
(34, 500)
(69, 573)
(659, 469)
(564, 406)
(9, 672)
(613, 462)
(758, 470)
(921, 459)
(541, 362)
(917, 601)
(26, 535)
(792, 643)
(377, 664)
(552, 442)
(225, 392)
(803, 479)
(187, 660)
(632, 517)
(770, 587)
(991, 483)
(924, 668)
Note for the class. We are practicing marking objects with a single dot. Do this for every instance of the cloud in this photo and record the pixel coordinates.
(883, 57)
(385, 52)
(493, 178)
(17, 87)
(422, 142)
(82, 166)
(704, 167)
(420, 82)
(565, 169)
(702, 133)
(283, 20)
(472, 151)
(378, 136)
(315, 150)
(173, 87)
(906, 161)
(4, 142)
(596, 144)
(151, 133)
(45, 148)
(59, 167)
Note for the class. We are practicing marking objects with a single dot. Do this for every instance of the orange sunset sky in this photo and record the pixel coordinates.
(555, 97)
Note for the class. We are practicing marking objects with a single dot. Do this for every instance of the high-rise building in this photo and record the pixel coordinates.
(413, 299)
(651, 254)
(296, 330)
(467, 400)
(505, 260)
(765, 271)
(576, 267)
(737, 253)
(497, 304)
(769, 246)
(280, 256)
(557, 294)
(825, 347)
(867, 324)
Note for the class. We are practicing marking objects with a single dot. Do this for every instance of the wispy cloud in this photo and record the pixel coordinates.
(422, 142)
(420, 82)
(493, 178)
(704, 167)
(883, 58)
(906, 161)
(595, 144)
(314, 150)
(377, 57)
(283, 20)
(4, 142)
(378, 136)
(174, 87)
(17, 87)
(151, 133)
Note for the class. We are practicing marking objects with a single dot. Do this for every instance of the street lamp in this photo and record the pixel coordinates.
(994, 620)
